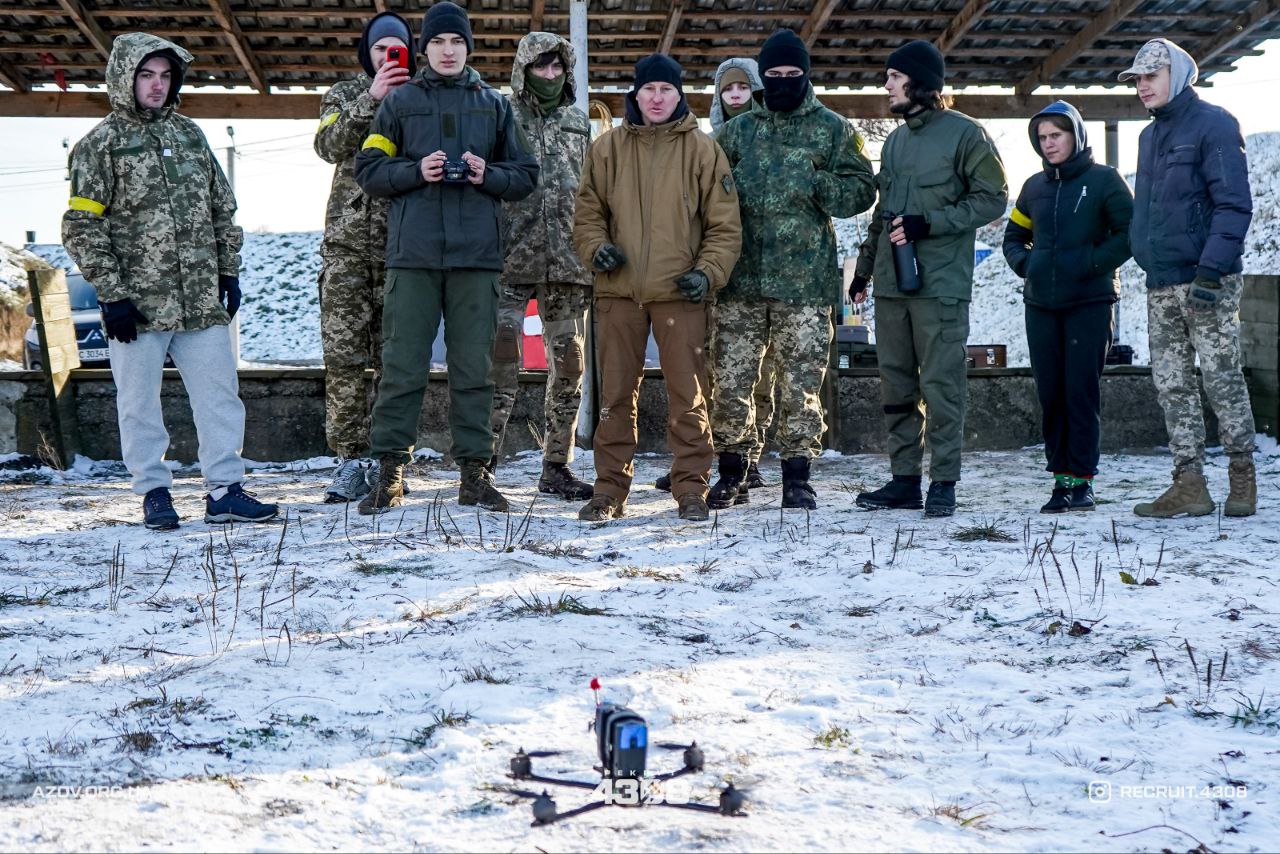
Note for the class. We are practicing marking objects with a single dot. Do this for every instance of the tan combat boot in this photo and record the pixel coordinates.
(602, 508)
(1189, 494)
(476, 487)
(1243, 498)
(388, 492)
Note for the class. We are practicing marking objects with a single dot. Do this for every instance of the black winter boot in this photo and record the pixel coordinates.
(1060, 499)
(901, 493)
(941, 500)
(558, 479)
(754, 480)
(731, 488)
(663, 482)
(796, 491)
(477, 487)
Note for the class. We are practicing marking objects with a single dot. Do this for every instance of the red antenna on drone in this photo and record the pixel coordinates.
(595, 688)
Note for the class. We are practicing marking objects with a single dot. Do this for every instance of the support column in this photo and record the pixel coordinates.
(1113, 144)
(590, 406)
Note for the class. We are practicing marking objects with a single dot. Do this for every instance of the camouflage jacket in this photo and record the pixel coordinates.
(537, 231)
(151, 216)
(355, 223)
(794, 172)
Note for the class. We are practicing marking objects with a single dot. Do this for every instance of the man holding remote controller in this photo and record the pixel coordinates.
(445, 149)
(940, 180)
(355, 240)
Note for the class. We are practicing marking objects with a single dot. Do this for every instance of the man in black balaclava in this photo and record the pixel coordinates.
(797, 164)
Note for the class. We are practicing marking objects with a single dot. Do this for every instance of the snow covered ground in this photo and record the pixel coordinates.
(875, 681)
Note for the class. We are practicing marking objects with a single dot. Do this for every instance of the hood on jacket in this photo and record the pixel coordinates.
(532, 46)
(385, 24)
(1183, 71)
(128, 52)
(1060, 108)
(750, 68)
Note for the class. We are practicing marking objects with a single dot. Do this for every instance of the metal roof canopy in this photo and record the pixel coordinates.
(267, 45)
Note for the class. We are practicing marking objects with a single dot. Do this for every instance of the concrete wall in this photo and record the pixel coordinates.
(285, 413)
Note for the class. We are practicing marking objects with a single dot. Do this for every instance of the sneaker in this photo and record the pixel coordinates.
(693, 508)
(941, 500)
(901, 493)
(602, 508)
(236, 505)
(1082, 495)
(157, 510)
(350, 482)
(387, 491)
(1060, 500)
(754, 480)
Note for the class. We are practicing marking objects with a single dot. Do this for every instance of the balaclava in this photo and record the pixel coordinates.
(784, 94)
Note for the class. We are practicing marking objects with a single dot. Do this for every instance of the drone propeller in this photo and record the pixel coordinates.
(538, 754)
(732, 801)
(694, 759)
(544, 808)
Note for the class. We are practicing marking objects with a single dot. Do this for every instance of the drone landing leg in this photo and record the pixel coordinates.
(552, 781)
(594, 805)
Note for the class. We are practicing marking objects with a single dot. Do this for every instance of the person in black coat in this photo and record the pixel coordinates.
(1067, 236)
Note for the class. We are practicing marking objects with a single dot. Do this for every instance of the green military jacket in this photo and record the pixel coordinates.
(537, 231)
(941, 164)
(355, 223)
(794, 171)
(151, 217)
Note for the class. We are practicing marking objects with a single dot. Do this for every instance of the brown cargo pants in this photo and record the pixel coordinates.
(622, 330)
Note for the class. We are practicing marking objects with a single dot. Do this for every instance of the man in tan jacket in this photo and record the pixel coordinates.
(657, 219)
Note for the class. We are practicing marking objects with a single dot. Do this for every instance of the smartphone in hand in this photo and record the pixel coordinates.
(398, 56)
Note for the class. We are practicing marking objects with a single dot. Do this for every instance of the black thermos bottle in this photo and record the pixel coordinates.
(905, 265)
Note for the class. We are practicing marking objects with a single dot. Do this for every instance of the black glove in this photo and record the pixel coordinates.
(857, 286)
(1204, 293)
(121, 318)
(693, 285)
(915, 226)
(229, 293)
(608, 257)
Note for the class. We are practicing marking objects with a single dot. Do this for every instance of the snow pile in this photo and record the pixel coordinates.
(989, 682)
(280, 316)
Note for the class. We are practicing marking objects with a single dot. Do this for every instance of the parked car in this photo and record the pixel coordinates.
(91, 338)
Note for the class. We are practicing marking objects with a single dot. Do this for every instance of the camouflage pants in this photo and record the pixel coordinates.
(799, 337)
(1179, 333)
(351, 337)
(762, 394)
(563, 309)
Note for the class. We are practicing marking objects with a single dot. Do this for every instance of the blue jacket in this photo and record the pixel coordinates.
(1193, 205)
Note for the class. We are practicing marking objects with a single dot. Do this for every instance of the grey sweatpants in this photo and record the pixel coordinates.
(208, 370)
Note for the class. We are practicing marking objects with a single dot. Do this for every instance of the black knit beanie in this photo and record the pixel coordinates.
(659, 68)
(784, 48)
(922, 62)
(445, 17)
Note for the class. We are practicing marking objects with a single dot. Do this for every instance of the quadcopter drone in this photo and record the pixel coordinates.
(622, 739)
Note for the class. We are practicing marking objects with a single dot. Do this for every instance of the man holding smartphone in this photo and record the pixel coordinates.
(355, 238)
(446, 151)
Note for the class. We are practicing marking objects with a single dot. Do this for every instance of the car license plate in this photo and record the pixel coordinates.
(95, 355)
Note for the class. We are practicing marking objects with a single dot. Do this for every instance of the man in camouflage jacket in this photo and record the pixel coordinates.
(540, 260)
(796, 164)
(355, 240)
(151, 226)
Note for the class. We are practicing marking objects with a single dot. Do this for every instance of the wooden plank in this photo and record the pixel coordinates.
(222, 105)
(1063, 56)
(817, 20)
(537, 10)
(79, 16)
(13, 78)
(961, 24)
(56, 334)
(1237, 28)
(235, 37)
(672, 26)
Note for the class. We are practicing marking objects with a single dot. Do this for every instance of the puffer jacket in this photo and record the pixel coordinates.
(665, 195)
(1069, 232)
(538, 229)
(151, 217)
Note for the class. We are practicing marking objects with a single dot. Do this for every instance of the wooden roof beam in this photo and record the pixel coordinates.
(537, 11)
(79, 16)
(235, 37)
(817, 20)
(672, 26)
(1237, 28)
(13, 78)
(1063, 56)
(961, 24)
